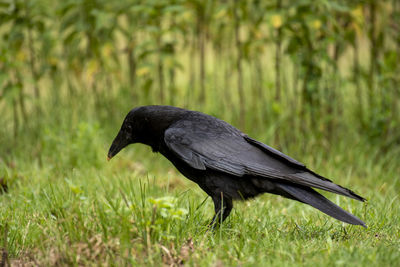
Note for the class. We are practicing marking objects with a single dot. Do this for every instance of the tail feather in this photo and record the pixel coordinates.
(312, 179)
(313, 198)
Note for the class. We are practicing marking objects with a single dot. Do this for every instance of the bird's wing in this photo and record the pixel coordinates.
(217, 147)
(221, 150)
(202, 150)
(273, 152)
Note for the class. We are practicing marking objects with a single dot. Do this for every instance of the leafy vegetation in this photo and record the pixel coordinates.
(318, 80)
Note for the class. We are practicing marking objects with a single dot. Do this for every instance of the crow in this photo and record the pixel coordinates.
(226, 163)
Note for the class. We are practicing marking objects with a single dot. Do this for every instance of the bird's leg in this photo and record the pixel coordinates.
(223, 206)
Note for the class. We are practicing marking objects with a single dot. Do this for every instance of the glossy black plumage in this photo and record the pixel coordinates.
(226, 163)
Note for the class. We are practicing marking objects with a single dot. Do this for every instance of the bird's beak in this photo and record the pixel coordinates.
(119, 143)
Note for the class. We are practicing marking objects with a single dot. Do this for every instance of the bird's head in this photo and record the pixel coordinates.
(145, 125)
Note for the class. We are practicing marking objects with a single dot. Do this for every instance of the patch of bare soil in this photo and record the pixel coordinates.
(173, 258)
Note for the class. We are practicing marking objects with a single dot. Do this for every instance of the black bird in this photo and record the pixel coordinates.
(226, 163)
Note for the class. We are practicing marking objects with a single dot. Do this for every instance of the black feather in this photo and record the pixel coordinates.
(318, 201)
(226, 163)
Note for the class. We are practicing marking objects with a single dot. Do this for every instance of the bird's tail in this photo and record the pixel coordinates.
(313, 198)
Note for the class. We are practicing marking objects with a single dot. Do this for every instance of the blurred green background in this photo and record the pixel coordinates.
(319, 68)
(318, 80)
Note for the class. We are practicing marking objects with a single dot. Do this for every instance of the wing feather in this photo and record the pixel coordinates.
(232, 152)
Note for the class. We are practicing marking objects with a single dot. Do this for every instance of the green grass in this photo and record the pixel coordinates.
(66, 205)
